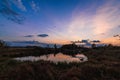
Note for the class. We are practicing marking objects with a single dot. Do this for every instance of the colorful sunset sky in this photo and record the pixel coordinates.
(60, 21)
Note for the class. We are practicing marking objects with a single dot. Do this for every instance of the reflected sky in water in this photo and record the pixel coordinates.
(59, 57)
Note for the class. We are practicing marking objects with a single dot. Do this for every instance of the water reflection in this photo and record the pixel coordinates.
(60, 57)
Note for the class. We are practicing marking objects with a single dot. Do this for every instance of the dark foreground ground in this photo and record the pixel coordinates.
(103, 64)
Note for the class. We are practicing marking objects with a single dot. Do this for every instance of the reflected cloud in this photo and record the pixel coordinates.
(55, 58)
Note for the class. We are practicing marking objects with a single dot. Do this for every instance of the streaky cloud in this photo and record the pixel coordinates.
(9, 13)
(34, 6)
(103, 20)
(29, 36)
(42, 35)
(20, 4)
(96, 41)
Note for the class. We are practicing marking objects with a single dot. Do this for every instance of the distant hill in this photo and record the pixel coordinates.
(29, 43)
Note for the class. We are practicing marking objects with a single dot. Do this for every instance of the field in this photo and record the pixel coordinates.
(103, 64)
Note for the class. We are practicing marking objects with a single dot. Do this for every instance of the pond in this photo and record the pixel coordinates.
(55, 58)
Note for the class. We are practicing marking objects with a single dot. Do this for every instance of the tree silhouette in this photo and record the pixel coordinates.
(93, 45)
(55, 47)
(2, 43)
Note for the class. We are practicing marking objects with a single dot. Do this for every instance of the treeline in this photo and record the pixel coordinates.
(70, 49)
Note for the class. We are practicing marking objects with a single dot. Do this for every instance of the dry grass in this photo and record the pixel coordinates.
(103, 64)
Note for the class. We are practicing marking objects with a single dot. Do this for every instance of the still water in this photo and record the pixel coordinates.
(59, 57)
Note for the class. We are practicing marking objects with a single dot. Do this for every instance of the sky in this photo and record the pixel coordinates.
(60, 21)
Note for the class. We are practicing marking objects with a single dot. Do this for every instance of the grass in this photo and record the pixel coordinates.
(103, 64)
